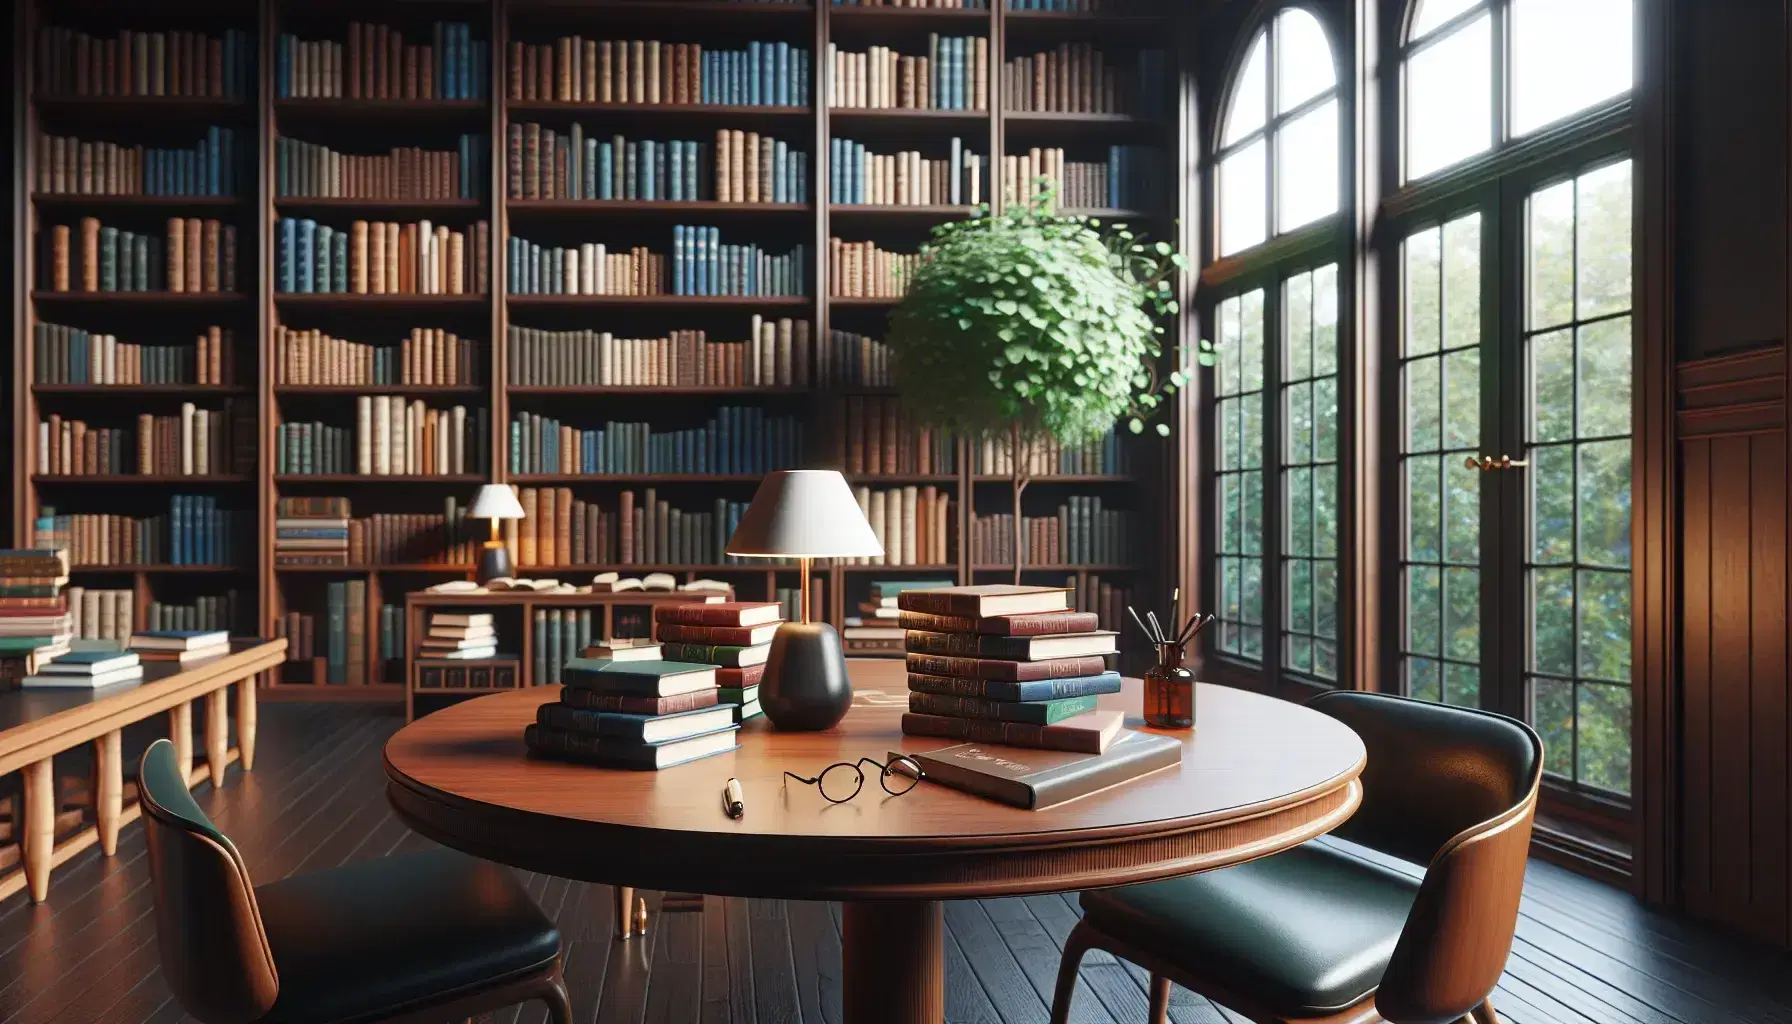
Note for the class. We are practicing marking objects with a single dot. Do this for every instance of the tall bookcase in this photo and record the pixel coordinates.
(267, 591)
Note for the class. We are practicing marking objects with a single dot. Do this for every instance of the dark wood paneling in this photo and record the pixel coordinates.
(1734, 727)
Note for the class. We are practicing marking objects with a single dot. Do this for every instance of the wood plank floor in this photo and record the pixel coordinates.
(1585, 952)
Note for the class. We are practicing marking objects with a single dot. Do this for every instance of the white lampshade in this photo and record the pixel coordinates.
(804, 513)
(496, 501)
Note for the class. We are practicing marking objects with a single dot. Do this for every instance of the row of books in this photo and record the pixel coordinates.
(700, 265)
(1123, 181)
(194, 531)
(855, 360)
(428, 355)
(345, 632)
(208, 612)
(71, 166)
(392, 633)
(862, 270)
(737, 439)
(573, 69)
(1081, 533)
(559, 529)
(195, 256)
(874, 436)
(560, 635)
(308, 170)
(132, 63)
(1103, 455)
(196, 442)
(98, 614)
(740, 167)
(775, 354)
(1106, 599)
(71, 355)
(311, 531)
(913, 523)
(1076, 78)
(35, 626)
(907, 178)
(391, 437)
(377, 63)
(379, 258)
(952, 75)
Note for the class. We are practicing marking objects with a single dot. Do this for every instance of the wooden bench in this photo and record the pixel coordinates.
(36, 725)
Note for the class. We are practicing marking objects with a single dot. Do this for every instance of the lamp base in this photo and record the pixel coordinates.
(494, 561)
(805, 686)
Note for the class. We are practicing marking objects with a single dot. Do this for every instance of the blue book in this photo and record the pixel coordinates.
(214, 150)
(781, 75)
(305, 260)
(340, 263)
(715, 262)
(324, 247)
(336, 632)
(283, 66)
(755, 61)
(659, 171)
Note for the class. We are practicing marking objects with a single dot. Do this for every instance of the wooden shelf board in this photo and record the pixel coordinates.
(1084, 19)
(380, 389)
(956, 17)
(672, 7)
(634, 478)
(351, 300)
(998, 567)
(1048, 117)
(645, 301)
(83, 199)
(143, 298)
(142, 478)
(902, 478)
(633, 389)
(344, 107)
(523, 108)
(172, 570)
(864, 300)
(905, 115)
(883, 210)
(392, 567)
(593, 568)
(140, 389)
(948, 567)
(391, 478)
(667, 206)
(1057, 478)
(146, 106)
(396, 206)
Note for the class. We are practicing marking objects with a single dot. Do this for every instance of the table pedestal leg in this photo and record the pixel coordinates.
(894, 964)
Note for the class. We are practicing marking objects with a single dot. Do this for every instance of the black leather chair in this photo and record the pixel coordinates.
(420, 937)
(1319, 935)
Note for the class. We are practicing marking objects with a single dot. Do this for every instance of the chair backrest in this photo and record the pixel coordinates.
(214, 952)
(1456, 790)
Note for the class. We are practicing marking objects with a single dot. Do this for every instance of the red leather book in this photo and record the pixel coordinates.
(1036, 624)
(997, 668)
(723, 613)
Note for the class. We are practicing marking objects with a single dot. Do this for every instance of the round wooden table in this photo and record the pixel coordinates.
(1257, 776)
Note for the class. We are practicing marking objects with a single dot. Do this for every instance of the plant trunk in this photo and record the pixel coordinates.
(1018, 479)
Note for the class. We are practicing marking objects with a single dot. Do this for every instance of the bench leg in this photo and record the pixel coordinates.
(245, 723)
(180, 733)
(40, 827)
(217, 733)
(631, 913)
(108, 789)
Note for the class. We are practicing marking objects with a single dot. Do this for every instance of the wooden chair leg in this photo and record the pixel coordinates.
(1075, 945)
(1159, 1012)
(1484, 1014)
(625, 912)
(554, 997)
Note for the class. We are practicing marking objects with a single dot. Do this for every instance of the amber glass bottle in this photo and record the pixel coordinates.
(1169, 690)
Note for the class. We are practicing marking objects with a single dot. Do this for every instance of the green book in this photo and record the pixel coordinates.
(25, 644)
(1041, 712)
(726, 655)
(738, 694)
(639, 678)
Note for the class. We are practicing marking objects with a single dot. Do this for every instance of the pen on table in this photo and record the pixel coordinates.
(732, 801)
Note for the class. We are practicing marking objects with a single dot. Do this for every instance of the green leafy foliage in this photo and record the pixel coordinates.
(1038, 320)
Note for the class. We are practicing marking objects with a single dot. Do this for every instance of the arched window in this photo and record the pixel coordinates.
(1278, 154)
(1460, 99)
(1509, 540)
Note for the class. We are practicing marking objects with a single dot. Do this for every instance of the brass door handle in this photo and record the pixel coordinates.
(1488, 462)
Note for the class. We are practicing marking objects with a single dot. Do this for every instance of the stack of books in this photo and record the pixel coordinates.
(180, 645)
(86, 670)
(877, 628)
(460, 636)
(311, 531)
(733, 636)
(635, 713)
(1009, 664)
(34, 621)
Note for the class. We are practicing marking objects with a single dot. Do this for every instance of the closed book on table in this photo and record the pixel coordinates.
(1035, 624)
(639, 678)
(624, 725)
(1004, 668)
(611, 753)
(719, 613)
(1035, 779)
(743, 636)
(597, 700)
(1012, 648)
(742, 676)
(985, 600)
(729, 655)
(177, 639)
(63, 681)
(1043, 712)
(738, 694)
(90, 663)
(1010, 690)
(624, 650)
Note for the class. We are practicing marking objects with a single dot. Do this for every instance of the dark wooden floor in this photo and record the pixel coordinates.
(1585, 952)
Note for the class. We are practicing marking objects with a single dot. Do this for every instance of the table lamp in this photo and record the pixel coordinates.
(804, 514)
(495, 502)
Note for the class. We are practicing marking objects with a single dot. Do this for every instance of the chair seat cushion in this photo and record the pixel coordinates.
(1305, 931)
(359, 940)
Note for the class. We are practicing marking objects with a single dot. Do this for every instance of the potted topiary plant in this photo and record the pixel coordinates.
(1033, 325)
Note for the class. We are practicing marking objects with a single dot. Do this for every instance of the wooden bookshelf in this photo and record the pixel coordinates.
(373, 126)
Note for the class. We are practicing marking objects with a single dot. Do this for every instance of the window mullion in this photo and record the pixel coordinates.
(1274, 542)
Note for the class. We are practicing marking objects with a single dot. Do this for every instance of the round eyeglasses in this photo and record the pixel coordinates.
(842, 781)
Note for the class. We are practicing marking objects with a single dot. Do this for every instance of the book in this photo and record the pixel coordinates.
(722, 613)
(67, 681)
(1035, 624)
(1035, 779)
(745, 636)
(597, 700)
(432, 646)
(460, 654)
(1012, 648)
(1004, 669)
(624, 649)
(622, 725)
(1043, 712)
(987, 599)
(611, 753)
(90, 663)
(732, 677)
(470, 619)
(726, 655)
(178, 639)
(1012, 690)
(639, 678)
